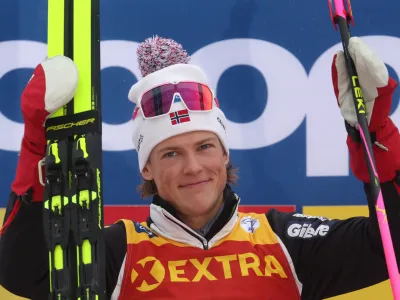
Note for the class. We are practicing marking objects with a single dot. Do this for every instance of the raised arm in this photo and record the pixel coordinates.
(333, 257)
(23, 251)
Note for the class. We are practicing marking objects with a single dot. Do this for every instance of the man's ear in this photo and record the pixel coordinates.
(225, 158)
(147, 172)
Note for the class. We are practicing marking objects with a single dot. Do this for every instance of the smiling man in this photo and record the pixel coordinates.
(190, 171)
(195, 243)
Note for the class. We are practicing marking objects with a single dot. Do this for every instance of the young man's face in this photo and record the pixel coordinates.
(190, 172)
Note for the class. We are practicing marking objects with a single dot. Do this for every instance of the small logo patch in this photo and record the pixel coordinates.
(249, 224)
(180, 116)
(140, 142)
(177, 99)
(220, 122)
(310, 217)
(141, 229)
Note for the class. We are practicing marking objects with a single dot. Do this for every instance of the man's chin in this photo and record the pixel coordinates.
(204, 201)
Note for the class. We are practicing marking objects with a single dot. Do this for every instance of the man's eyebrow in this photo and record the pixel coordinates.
(203, 141)
(174, 148)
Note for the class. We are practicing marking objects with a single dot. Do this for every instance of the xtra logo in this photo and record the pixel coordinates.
(149, 272)
(306, 231)
(249, 224)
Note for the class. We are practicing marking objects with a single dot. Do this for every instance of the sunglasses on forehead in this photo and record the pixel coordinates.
(158, 100)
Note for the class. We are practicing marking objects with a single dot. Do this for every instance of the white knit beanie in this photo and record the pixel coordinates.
(164, 61)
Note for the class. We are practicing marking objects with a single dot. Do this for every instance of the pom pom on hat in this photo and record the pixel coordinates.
(157, 53)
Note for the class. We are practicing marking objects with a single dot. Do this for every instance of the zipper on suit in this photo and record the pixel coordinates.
(200, 238)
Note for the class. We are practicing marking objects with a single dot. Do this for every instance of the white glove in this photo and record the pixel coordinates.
(372, 74)
(52, 85)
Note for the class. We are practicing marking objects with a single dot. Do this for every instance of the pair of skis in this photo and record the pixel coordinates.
(73, 202)
(341, 16)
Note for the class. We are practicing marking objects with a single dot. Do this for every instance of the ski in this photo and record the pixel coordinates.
(73, 202)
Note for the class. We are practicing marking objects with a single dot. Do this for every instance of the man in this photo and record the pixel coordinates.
(195, 243)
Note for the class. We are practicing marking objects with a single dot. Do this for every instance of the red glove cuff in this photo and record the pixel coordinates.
(387, 162)
(26, 185)
(384, 132)
(382, 106)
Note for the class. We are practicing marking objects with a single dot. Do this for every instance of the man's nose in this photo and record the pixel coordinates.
(192, 164)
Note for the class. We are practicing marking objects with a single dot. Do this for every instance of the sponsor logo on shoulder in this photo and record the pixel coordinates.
(249, 224)
(310, 217)
(141, 229)
(307, 231)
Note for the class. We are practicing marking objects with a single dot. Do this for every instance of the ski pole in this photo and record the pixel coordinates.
(342, 15)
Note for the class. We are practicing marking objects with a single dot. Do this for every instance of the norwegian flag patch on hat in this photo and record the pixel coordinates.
(180, 116)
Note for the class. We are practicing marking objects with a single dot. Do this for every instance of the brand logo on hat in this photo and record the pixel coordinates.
(220, 122)
(140, 142)
(180, 116)
(177, 99)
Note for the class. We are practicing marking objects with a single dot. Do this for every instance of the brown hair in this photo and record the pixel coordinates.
(148, 187)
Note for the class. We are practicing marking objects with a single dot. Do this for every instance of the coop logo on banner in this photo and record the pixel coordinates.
(293, 95)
